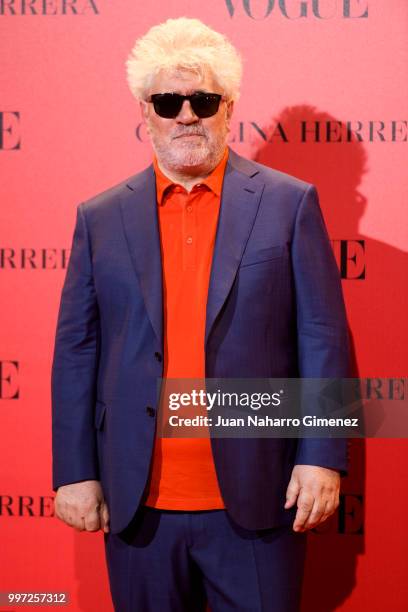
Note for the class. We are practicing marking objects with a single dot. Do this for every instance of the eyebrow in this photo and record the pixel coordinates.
(190, 91)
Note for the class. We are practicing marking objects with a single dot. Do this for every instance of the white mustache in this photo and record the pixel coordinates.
(189, 134)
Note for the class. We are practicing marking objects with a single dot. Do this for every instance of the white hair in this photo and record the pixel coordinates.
(188, 44)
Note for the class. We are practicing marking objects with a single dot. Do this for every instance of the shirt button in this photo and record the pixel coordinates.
(158, 356)
(189, 240)
(150, 411)
(189, 208)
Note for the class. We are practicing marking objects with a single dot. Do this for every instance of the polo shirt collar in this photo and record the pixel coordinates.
(213, 181)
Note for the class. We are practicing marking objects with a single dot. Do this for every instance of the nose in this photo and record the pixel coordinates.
(186, 114)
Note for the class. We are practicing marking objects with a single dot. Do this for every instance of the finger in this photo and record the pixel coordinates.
(65, 513)
(329, 510)
(104, 513)
(93, 519)
(79, 524)
(75, 521)
(73, 517)
(315, 517)
(292, 493)
(304, 507)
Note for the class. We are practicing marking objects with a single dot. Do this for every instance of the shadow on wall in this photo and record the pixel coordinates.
(371, 273)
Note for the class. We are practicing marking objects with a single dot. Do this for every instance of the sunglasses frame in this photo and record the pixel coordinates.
(155, 98)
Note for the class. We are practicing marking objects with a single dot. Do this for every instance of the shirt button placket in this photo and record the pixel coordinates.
(189, 234)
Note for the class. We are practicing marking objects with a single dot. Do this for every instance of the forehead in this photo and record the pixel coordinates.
(182, 81)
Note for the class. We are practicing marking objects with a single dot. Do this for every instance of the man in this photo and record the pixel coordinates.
(203, 265)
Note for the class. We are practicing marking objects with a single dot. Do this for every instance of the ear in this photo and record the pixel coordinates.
(144, 109)
(230, 109)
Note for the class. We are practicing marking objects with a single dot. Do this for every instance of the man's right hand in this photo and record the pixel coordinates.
(81, 505)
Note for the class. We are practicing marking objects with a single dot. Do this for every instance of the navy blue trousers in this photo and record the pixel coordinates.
(177, 561)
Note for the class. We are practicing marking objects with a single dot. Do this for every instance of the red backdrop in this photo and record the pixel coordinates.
(323, 98)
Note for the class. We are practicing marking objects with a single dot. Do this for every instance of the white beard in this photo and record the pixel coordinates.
(202, 153)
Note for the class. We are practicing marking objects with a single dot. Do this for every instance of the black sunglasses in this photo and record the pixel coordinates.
(168, 105)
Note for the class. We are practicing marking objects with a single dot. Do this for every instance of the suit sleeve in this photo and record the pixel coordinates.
(322, 330)
(74, 367)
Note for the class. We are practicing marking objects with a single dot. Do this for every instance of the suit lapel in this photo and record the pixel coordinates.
(141, 226)
(240, 199)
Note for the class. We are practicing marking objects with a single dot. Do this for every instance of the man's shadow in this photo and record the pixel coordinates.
(371, 272)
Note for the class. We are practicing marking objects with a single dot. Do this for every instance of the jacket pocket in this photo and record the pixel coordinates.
(100, 409)
(261, 255)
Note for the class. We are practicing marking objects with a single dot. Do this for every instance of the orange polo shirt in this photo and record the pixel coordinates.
(183, 475)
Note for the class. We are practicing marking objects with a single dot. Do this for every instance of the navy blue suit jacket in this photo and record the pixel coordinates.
(275, 309)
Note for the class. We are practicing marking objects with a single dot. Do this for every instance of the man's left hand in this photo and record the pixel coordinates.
(316, 490)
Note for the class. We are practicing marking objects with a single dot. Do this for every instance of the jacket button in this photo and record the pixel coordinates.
(150, 411)
(158, 356)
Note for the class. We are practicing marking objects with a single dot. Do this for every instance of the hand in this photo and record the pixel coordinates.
(81, 505)
(317, 492)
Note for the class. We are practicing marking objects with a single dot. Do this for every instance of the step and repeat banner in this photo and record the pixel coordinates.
(324, 97)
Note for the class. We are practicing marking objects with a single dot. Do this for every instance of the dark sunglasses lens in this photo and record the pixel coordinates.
(205, 105)
(167, 105)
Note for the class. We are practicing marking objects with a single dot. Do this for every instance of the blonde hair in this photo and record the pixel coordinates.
(188, 44)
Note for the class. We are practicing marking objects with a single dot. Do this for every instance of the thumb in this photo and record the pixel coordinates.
(291, 493)
(104, 516)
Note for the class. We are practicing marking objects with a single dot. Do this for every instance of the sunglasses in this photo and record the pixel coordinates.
(168, 105)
